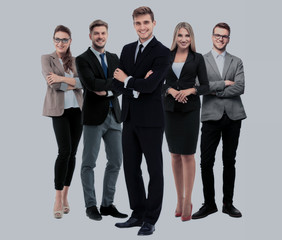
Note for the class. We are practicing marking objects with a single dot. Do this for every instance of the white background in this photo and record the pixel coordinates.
(28, 146)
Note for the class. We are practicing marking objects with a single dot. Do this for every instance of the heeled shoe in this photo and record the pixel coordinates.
(184, 219)
(66, 209)
(58, 214)
(177, 214)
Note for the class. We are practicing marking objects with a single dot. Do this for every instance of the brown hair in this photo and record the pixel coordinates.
(97, 23)
(222, 25)
(143, 11)
(189, 28)
(67, 57)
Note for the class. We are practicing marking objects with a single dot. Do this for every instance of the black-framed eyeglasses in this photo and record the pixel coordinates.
(218, 36)
(63, 40)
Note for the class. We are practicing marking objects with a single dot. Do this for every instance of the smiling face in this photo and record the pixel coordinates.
(99, 36)
(62, 42)
(220, 39)
(144, 26)
(183, 39)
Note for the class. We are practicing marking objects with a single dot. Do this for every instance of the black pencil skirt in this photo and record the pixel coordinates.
(182, 130)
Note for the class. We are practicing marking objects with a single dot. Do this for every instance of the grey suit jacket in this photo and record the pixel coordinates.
(54, 99)
(221, 98)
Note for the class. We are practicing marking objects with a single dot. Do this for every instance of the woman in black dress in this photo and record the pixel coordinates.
(182, 112)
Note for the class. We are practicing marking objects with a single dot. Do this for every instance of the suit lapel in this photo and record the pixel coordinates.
(57, 63)
(188, 59)
(110, 65)
(146, 51)
(172, 57)
(212, 62)
(131, 57)
(227, 62)
(95, 62)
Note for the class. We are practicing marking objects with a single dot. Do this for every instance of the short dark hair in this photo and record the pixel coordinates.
(143, 11)
(97, 23)
(222, 25)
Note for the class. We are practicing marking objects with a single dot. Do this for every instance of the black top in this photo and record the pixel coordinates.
(193, 67)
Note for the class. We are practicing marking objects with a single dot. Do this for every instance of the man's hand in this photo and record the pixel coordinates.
(228, 83)
(148, 74)
(100, 93)
(120, 75)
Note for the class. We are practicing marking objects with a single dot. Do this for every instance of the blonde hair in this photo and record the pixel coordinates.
(189, 28)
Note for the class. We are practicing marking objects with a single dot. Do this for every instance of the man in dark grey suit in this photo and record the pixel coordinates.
(222, 113)
(101, 120)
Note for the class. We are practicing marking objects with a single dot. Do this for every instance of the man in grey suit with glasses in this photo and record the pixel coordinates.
(222, 114)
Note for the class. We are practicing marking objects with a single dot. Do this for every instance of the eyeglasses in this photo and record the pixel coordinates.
(218, 36)
(63, 40)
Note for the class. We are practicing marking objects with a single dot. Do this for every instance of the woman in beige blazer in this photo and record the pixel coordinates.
(63, 102)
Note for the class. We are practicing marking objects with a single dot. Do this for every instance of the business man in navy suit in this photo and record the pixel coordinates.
(143, 66)
(101, 120)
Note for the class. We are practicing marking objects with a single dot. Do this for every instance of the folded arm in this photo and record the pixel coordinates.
(234, 87)
(88, 79)
(59, 83)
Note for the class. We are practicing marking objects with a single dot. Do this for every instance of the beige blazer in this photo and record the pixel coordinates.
(54, 99)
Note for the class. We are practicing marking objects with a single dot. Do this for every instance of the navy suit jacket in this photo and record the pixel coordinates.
(96, 108)
(147, 109)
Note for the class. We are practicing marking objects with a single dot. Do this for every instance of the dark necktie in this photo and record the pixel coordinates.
(105, 69)
(104, 66)
(139, 52)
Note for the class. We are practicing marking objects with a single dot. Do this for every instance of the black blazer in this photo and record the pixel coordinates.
(193, 67)
(147, 109)
(96, 108)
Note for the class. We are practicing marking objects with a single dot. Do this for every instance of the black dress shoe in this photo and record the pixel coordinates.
(231, 210)
(146, 229)
(131, 222)
(204, 211)
(111, 210)
(93, 213)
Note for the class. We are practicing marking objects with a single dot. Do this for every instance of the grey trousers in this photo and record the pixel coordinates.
(110, 131)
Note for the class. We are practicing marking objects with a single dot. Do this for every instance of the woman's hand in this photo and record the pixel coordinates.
(53, 78)
(174, 93)
(183, 94)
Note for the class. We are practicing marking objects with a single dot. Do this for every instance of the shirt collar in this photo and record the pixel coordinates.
(97, 54)
(215, 54)
(145, 43)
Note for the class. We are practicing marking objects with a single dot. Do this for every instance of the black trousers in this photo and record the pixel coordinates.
(68, 131)
(212, 132)
(148, 141)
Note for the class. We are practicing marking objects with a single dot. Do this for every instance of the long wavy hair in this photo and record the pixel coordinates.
(189, 28)
(67, 57)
